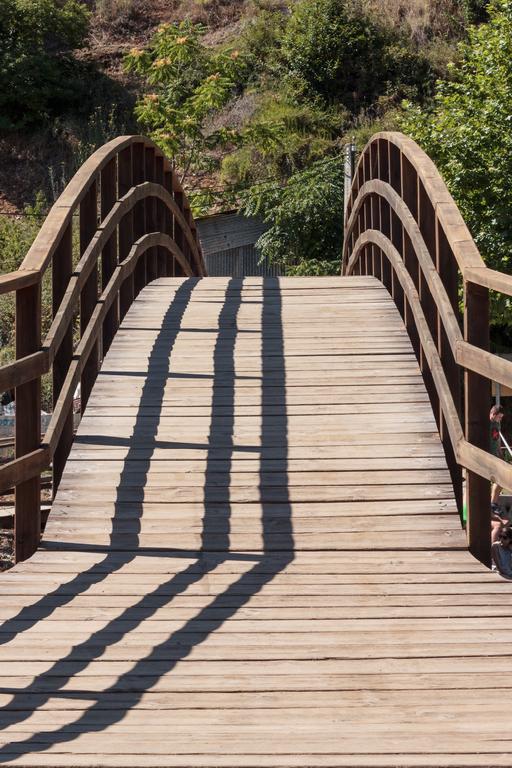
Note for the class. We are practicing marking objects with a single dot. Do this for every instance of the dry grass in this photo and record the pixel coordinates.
(422, 19)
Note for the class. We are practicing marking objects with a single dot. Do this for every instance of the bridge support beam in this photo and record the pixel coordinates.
(477, 404)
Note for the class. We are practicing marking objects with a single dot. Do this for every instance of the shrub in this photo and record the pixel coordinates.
(333, 49)
(189, 83)
(37, 73)
(16, 237)
(305, 217)
(468, 134)
(283, 137)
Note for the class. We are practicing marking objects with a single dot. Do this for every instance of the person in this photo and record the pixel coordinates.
(502, 552)
(495, 419)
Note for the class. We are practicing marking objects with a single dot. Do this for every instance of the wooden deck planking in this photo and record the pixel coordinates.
(254, 558)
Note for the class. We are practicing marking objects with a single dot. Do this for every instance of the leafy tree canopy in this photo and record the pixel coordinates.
(36, 71)
(305, 217)
(468, 134)
(188, 82)
(338, 52)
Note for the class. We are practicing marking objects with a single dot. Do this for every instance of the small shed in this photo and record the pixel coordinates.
(228, 241)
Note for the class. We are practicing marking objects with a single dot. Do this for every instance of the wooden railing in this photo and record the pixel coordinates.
(403, 227)
(132, 224)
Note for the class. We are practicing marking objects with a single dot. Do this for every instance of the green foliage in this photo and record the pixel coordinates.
(37, 74)
(468, 134)
(189, 83)
(476, 11)
(16, 237)
(305, 217)
(261, 41)
(333, 50)
(282, 137)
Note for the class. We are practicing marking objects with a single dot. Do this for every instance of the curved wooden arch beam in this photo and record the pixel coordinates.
(24, 468)
(465, 354)
(470, 456)
(26, 369)
(44, 246)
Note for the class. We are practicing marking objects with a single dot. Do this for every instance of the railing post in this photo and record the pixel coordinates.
(151, 221)
(477, 405)
(140, 277)
(161, 257)
(109, 255)
(169, 225)
(89, 293)
(179, 237)
(62, 268)
(447, 269)
(126, 293)
(27, 520)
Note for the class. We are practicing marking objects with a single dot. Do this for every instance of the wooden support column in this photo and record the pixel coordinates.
(27, 519)
(62, 268)
(127, 291)
(477, 405)
(151, 220)
(89, 293)
(178, 231)
(447, 268)
(168, 224)
(161, 255)
(385, 228)
(109, 255)
(140, 276)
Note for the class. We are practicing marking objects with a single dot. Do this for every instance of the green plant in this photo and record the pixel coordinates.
(332, 49)
(16, 237)
(305, 217)
(38, 75)
(282, 137)
(476, 11)
(189, 83)
(467, 132)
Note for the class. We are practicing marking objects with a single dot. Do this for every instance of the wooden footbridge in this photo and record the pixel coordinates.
(254, 557)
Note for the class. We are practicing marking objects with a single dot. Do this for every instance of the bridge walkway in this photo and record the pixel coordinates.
(254, 557)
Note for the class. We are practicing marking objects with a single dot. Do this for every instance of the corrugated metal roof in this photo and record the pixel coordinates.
(227, 231)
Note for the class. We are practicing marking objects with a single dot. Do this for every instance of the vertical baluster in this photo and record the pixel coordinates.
(385, 227)
(477, 399)
(178, 231)
(161, 264)
(397, 240)
(447, 268)
(127, 291)
(27, 521)
(169, 223)
(411, 264)
(140, 275)
(89, 293)
(151, 221)
(109, 254)
(62, 268)
(190, 221)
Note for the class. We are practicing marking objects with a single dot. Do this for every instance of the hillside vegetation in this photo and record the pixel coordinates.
(254, 101)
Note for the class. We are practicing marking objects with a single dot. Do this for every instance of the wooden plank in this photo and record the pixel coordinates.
(273, 561)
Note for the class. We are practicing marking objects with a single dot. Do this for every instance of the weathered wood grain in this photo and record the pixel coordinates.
(254, 557)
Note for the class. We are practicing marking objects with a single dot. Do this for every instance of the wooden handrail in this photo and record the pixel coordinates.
(134, 221)
(403, 226)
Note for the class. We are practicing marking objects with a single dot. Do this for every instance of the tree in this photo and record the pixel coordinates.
(468, 134)
(187, 82)
(37, 72)
(337, 52)
(305, 217)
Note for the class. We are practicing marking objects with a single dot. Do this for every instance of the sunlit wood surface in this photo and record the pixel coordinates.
(254, 557)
